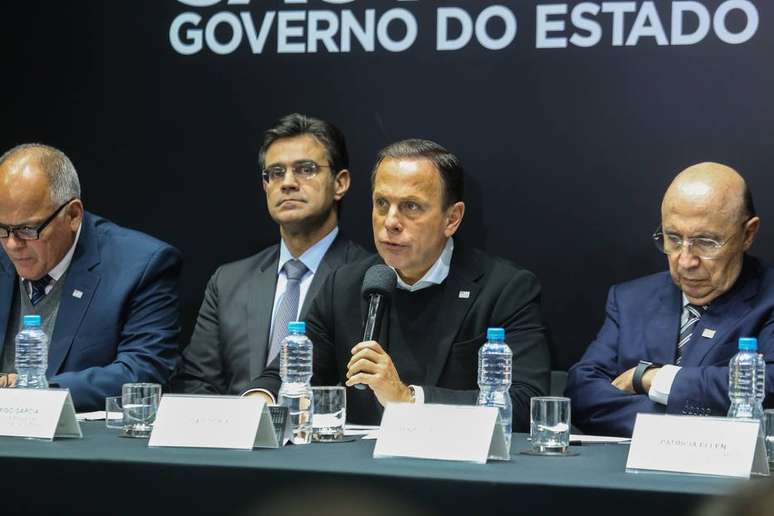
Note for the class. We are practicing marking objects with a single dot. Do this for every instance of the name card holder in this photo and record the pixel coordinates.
(38, 413)
(444, 432)
(714, 446)
(231, 422)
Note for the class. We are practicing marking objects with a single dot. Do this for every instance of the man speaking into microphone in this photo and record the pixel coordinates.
(425, 349)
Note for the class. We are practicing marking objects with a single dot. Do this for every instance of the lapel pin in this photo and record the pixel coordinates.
(464, 294)
(708, 333)
(77, 294)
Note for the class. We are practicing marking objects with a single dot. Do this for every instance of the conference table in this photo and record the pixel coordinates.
(104, 473)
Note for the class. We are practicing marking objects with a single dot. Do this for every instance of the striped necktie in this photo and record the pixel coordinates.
(287, 310)
(38, 288)
(692, 315)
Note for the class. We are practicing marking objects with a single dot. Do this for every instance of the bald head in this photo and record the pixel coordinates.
(54, 168)
(710, 187)
(708, 219)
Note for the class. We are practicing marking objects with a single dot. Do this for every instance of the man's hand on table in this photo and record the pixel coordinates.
(7, 380)
(260, 394)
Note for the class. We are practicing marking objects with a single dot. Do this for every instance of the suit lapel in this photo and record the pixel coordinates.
(335, 257)
(260, 301)
(459, 293)
(663, 330)
(81, 282)
(7, 292)
(722, 317)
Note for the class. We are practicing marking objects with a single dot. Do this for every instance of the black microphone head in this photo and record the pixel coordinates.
(379, 279)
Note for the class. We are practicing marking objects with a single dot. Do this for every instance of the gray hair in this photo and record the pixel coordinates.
(63, 183)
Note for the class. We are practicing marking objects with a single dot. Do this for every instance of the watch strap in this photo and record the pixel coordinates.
(639, 371)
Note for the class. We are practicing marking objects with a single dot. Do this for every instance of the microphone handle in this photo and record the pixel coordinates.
(371, 325)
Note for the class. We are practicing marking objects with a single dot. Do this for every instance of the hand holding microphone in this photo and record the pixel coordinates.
(368, 356)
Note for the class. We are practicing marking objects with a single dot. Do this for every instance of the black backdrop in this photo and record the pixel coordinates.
(568, 151)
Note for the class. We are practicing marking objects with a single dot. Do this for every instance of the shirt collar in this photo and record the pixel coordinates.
(312, 256)
(60, 268)
(436, 274)
(686, 303)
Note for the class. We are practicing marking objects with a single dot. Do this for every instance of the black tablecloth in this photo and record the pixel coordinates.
(106, 474)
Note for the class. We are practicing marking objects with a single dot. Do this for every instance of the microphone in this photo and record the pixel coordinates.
(378, 286)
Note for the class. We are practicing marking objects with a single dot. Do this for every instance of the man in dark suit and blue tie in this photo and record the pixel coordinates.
(107, 296)
(247, 304)
(667, 338)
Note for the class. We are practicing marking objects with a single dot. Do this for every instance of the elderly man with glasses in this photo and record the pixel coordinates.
(247, 304)
(667, 338)
(107, 296)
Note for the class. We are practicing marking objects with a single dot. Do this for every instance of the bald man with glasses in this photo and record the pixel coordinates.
(107, 295)
(667, 338)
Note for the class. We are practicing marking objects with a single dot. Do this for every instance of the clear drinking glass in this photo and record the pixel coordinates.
(550, 425)
(114, 413)
(330, 413)
(140, 403)
(768, 420)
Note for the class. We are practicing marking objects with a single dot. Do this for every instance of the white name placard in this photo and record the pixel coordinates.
(232, 422)
(445, 432)
(699, 445)
(38, 413)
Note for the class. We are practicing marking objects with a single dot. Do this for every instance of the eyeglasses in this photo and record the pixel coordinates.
(706, 248)
(27, 232)
(302, 170)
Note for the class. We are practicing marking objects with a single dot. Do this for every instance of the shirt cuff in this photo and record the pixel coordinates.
(419, 395)
(270, 395)
(661, 385)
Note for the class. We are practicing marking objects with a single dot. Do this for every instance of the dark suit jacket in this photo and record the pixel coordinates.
(500, 294)
(124, 326)
(643, 322)
(230, 342)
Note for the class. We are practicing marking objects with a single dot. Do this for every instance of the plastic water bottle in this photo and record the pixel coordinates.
(495, 360)
(296, 372)
(746, 376)
(31, 355)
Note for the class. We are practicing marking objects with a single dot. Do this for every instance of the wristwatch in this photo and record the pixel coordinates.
(643, 366)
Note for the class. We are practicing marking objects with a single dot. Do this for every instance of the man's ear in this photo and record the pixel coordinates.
(75, 212)
(751, 228)
(341, 184)
(454, 215)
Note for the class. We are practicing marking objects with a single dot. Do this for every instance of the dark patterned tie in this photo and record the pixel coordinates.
(39, 288)
(288, 308)
(686, 330)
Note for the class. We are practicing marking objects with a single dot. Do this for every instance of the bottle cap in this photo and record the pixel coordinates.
(297, 327)
(748, 344)
(495, 334)
(31, 320)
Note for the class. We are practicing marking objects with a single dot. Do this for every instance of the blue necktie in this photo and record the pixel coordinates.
(288, 308)
(39, 288)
